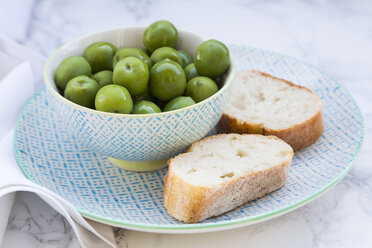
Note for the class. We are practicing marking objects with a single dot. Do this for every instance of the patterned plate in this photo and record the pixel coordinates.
(51, 157)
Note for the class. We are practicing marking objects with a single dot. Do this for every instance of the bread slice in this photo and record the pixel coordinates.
(263, 104)
(222, 172)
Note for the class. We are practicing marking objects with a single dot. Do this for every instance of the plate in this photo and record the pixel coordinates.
(50, 156)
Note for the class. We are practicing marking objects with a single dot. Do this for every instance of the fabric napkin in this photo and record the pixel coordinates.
(20, 78)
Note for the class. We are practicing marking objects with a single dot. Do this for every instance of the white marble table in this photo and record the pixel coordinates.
(334, 36)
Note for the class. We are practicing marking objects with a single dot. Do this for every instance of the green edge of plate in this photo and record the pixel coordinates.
(231, 223)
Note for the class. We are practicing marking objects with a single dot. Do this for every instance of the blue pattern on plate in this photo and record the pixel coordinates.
(53, 158)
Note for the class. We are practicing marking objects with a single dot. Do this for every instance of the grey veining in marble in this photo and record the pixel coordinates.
(36, 224)
(335, 36)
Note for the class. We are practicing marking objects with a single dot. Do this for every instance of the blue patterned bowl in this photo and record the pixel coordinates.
(135, 142)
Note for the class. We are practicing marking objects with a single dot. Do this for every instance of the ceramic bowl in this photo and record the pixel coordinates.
(135, 142)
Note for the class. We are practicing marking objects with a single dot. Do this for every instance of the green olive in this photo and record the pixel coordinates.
(100, 55)
(114, 98)
(103, 78)
(212, 58)
(132, 52)
(82, 90)
(190, 71)
(200, 88)
(69, 68)
(160, 34)
(133, 74)
(145, 107)
(178, 103)
(167, 80)
(186, 58)
(165, 53)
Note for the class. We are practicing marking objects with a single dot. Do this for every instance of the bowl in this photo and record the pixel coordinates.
(135, 142)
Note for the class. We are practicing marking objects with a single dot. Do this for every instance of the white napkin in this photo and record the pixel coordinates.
(20, 74)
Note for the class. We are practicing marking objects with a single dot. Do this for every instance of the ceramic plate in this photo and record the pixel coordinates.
(50, 156)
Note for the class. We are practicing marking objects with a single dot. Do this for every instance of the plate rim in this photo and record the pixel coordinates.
(222, 225)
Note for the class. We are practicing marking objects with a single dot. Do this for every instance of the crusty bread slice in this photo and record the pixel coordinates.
(263, 104)
(222, 172)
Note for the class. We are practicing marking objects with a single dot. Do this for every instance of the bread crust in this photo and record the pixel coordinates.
(193, 203)
(298, 136)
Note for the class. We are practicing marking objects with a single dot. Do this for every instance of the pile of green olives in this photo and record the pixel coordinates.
(143, 81)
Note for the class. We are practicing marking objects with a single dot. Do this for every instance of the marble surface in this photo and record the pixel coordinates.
(334, 36)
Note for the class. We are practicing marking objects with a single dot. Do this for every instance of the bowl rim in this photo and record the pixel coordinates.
(53, 91)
